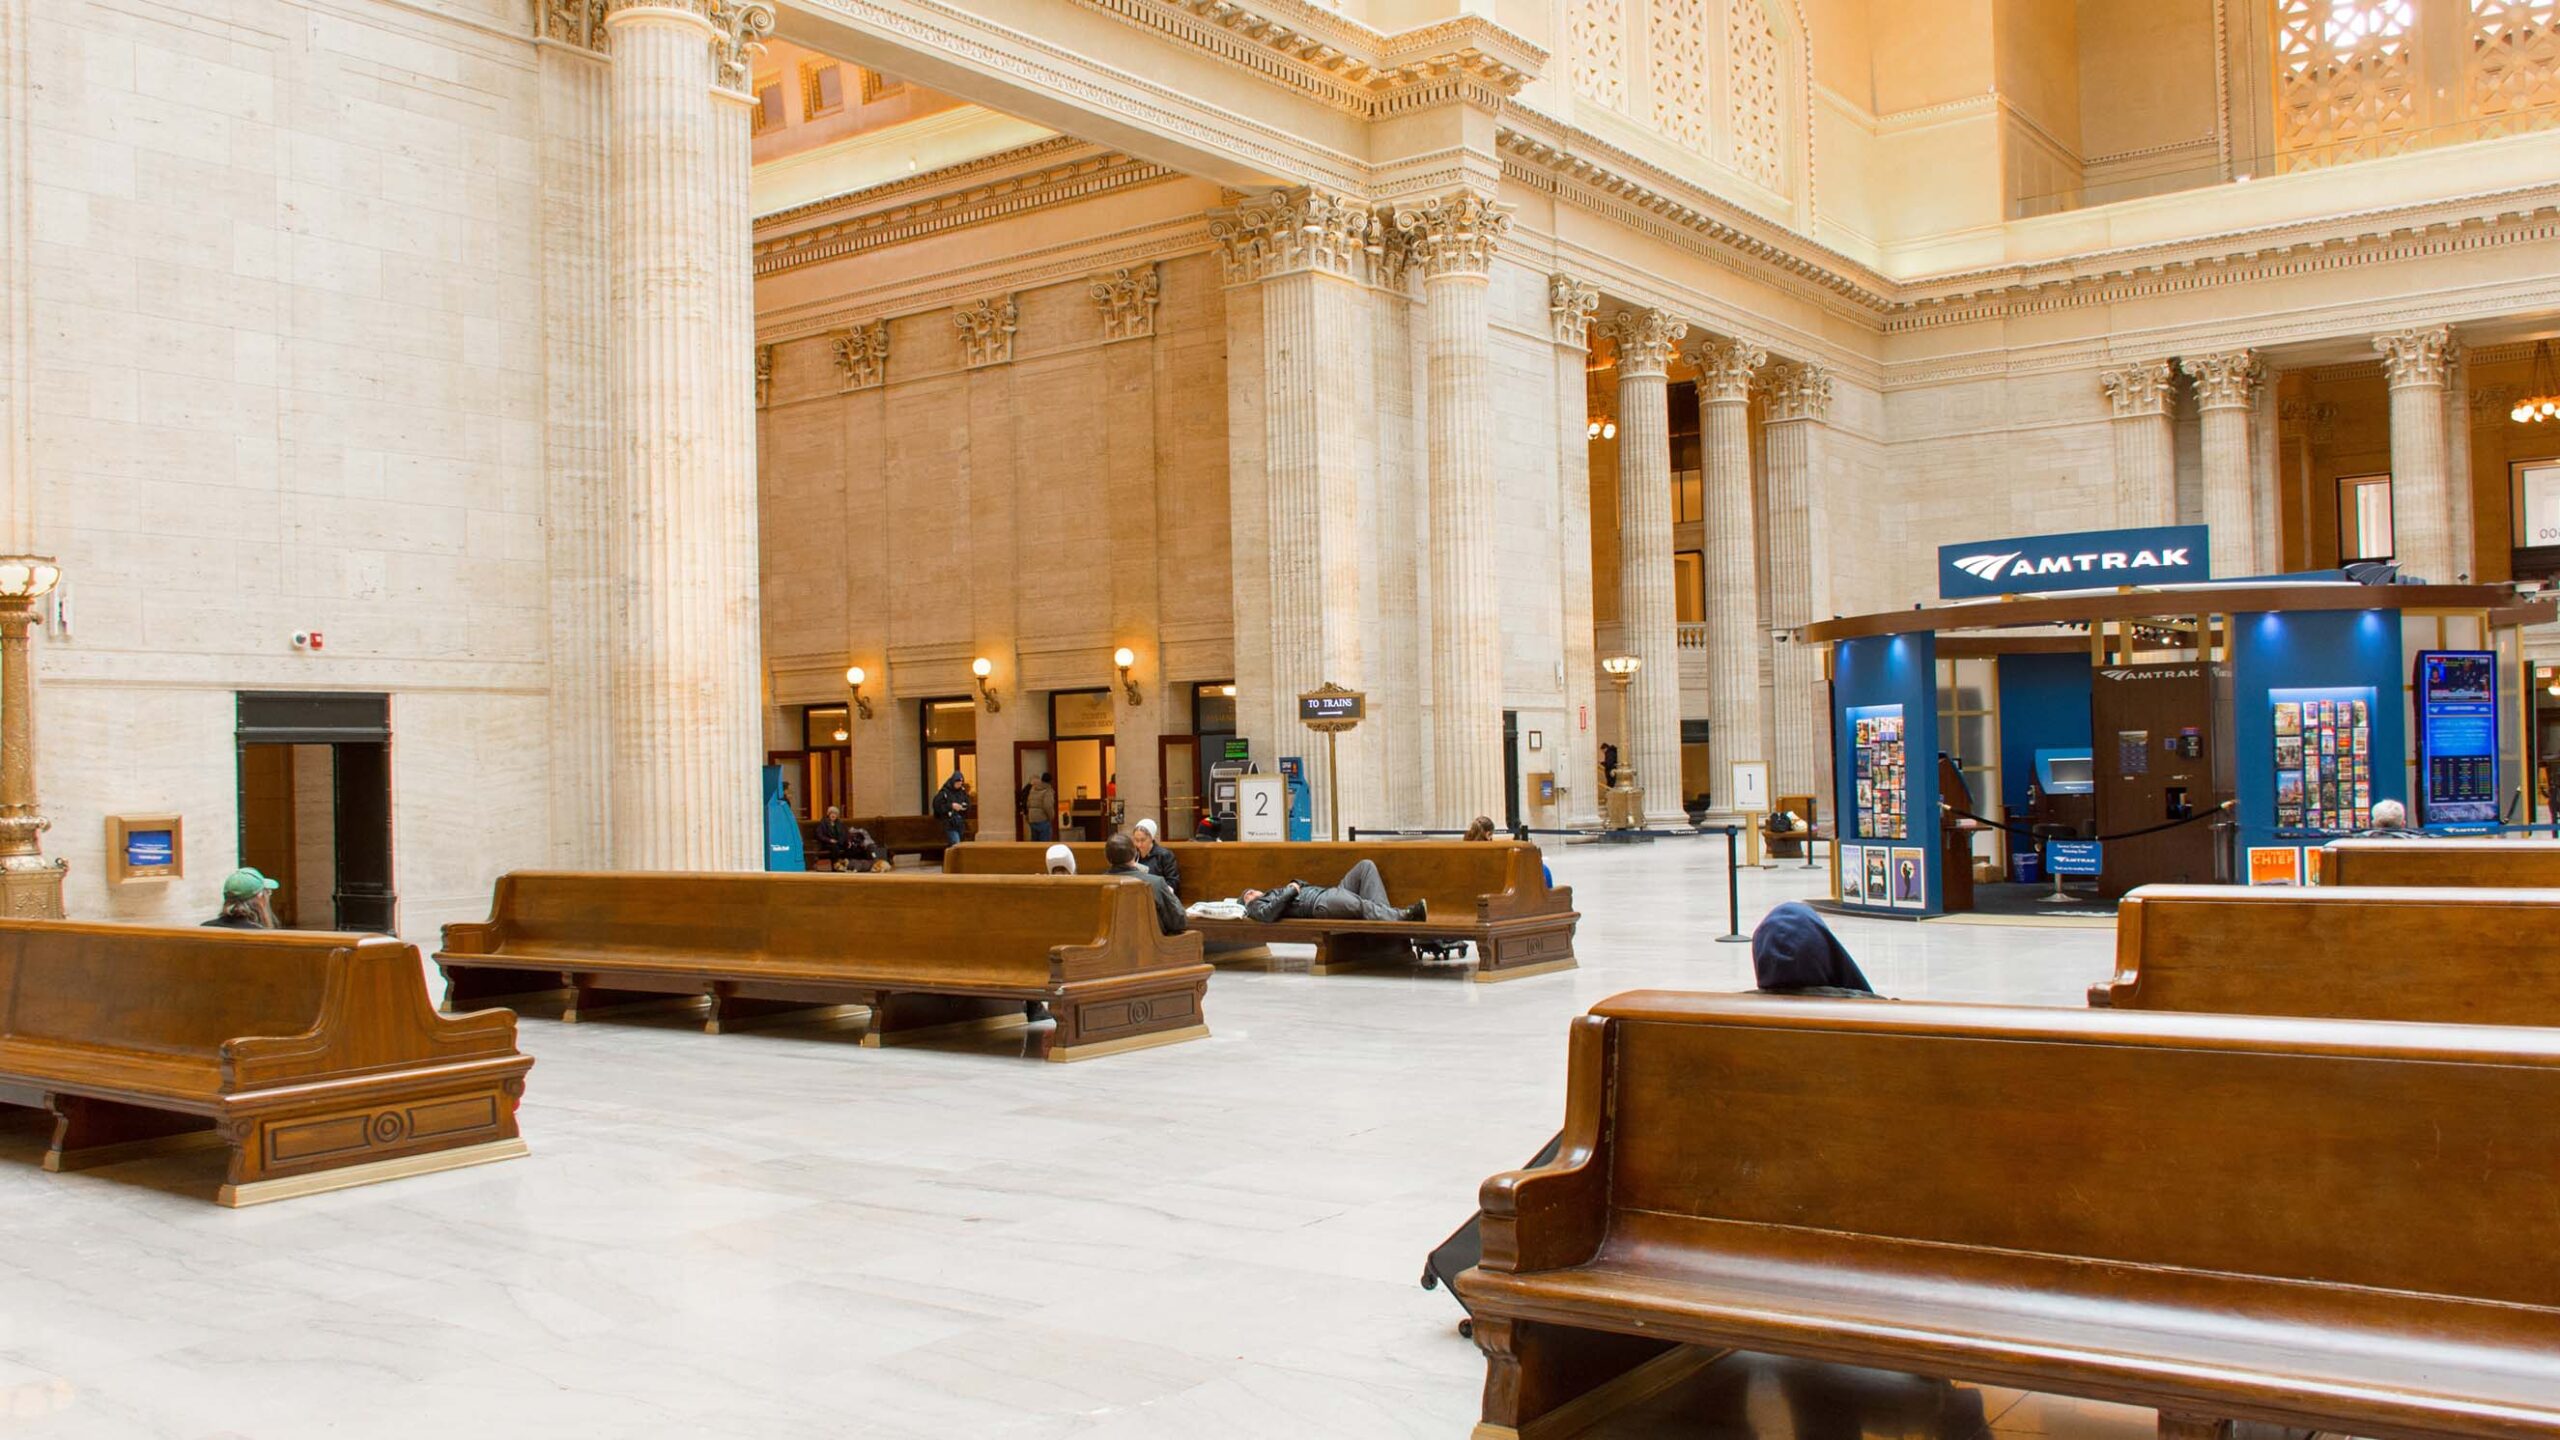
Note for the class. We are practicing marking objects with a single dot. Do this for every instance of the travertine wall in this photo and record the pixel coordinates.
(290, 375)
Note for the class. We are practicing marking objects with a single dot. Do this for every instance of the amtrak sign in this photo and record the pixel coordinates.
(2090, 560)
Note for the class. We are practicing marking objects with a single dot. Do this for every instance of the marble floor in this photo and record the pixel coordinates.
(780, 1234)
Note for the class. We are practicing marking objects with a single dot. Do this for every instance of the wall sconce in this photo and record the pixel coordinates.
(1603, 430)
(982, 667)
(854, 678)
(1124, 657)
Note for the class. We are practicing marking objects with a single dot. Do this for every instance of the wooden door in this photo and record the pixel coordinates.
(1178, 783)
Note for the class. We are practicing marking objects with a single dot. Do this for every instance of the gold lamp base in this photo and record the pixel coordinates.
(33, 894)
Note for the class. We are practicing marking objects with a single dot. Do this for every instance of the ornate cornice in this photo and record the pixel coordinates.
(1798, 390)
(1645, 339)
(1287, 231)
(1337, 61)
(2137, 390)
(1570, 305)
(862, 356)
(2416, 358)
(1725, 368)
(986, 331)
(1453, 235)
(2228, 381)
(1072, 263)
(1127, 300)
(917, 206)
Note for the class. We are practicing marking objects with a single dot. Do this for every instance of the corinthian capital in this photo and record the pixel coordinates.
(1725, 368)
(1798, 390)
(986, 331)
(1453, 234)
(2416, 358)
(1570, 303)
(743, 26)
(575, 22)
(862, 356)
(2138, 389)
(1127, 299)
(1286, 231)
(2228, 381)
(1645, 339)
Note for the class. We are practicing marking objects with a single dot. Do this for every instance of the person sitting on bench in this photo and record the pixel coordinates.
(1794, 953)
(1154, 858)
(1360, 896)
(1121, 854)
(1058, 860)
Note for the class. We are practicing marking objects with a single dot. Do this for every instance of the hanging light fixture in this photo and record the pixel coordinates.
(2544, 403)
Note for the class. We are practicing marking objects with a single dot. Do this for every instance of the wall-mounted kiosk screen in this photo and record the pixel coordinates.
(2457, 737)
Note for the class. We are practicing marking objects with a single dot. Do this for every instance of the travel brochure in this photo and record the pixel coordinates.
(1880, 771)
(2324, 760)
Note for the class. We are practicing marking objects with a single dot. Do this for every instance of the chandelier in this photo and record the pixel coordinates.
(2544, 401)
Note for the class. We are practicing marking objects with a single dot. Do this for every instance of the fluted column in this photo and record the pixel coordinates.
(2146, 451)
(1647, 615)
(686, 711)
(2415, 362)
(1799, 411)
(1294, 258)
(1734, 636)
(2457, 464)
(1570, 304)
(1453, 239)
(2226, 410)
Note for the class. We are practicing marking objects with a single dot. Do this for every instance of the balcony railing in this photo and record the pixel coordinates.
(1693, 635)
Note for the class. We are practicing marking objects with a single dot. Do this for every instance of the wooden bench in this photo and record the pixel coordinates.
(2458, 863)
(2458, 957)
(316, 1058)
(911, 834)
(1492, 894)
(926, 953)
(2334, 1224)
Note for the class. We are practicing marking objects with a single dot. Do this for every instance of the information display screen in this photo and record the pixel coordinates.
(2457, 736)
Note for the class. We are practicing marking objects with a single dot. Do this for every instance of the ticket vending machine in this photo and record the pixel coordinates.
(1302, 800)
(2162, 755)
(1224, 772)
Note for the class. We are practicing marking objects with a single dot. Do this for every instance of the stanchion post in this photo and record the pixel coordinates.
(1732, 888)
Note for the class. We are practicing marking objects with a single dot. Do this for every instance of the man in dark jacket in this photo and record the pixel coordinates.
(1122, 856)
(951, 807)
(1360, 896)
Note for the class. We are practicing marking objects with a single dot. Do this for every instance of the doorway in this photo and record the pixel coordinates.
(950, 733)
(315, 807)
(1084, 748)
(1510, 772)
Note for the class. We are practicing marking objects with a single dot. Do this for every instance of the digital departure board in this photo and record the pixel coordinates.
(2457, 737)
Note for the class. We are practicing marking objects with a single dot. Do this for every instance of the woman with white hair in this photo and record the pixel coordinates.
(1154, 858)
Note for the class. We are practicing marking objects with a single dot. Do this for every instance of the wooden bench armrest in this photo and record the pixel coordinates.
(374, 1012)
(471, 937)
(1556, 1215)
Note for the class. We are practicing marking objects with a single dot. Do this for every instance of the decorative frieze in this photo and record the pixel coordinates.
(986, 331)
(764, 376)
(1571, 304)
(2415, 357)
(1454, 234)
(862, 356)
(1645, 339)
(576, 22)
(1725, 367)
(1286, 231)
(1127, 300)
(2138, 389)
(2228, 381)
(1798, 390)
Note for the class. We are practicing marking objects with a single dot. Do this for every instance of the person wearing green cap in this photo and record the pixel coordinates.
(244, 902)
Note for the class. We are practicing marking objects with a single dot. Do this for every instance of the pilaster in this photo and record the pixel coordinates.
(1571, 304)
(1799, 413)
(1734, 633)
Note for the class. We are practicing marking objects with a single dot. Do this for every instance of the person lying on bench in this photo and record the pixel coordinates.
(1121, 854)
(1794, 953)
(1360, 896)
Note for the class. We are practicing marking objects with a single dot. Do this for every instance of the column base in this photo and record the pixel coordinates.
(32, 894)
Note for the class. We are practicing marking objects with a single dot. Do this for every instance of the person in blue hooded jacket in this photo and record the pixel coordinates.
(1794, 953)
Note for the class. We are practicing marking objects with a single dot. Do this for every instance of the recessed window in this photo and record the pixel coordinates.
(769, 114)
(2364, 517)
(821, 90)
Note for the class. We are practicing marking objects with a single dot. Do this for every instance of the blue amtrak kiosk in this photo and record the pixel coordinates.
(2081, 714)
